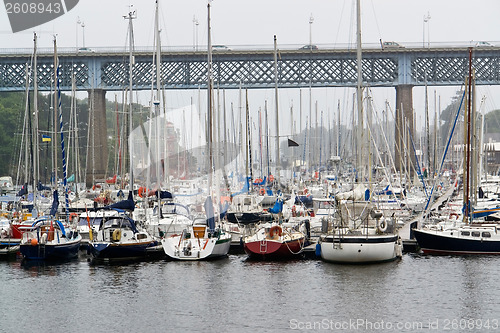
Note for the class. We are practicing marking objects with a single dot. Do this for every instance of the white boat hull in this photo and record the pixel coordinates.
(355, 250)
(179, 248)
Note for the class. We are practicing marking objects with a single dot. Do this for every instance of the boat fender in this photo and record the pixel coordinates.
(275, 230)
(382, 226)
(116, 235)
(318, 250)
(376, 214)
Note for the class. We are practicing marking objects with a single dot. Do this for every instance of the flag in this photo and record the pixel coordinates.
(46, 138)
(292, 143)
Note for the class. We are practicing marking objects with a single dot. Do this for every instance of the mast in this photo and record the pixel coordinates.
(249, 142)
(54, 137)
(209, 102)
(278, 162)
(359, 87)
(130, 16)
(467, 142)
(427, 130)
(157, 105)
(61, 129)
(36, 162)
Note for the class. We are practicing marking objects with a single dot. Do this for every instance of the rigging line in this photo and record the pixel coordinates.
(416, 161)
(376, 21)
(445, 152)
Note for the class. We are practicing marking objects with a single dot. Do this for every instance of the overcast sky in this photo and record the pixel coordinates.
(236, 22)
(254, 23)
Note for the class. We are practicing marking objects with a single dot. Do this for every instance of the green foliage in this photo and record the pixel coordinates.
(11, 113)
(492, 119)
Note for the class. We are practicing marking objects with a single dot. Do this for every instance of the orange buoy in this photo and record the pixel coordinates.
(141, 191)
(34, 242)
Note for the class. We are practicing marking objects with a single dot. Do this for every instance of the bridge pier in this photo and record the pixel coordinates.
(97, 156)
(404, 156)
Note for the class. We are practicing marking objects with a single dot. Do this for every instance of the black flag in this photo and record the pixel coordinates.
(292, 143)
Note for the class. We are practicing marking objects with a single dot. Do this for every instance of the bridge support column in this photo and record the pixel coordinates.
(404, 156)
(97, 156)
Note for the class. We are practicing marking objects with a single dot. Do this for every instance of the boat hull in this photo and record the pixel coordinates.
(9, 246)
(360, 249)
(445, 243)
(107, 250)
(198, 249)
(274, 249)
(63, 251)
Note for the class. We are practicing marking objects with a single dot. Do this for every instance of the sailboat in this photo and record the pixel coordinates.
(472, 235)
(359, 232)
(118, 235)
(48, 239)
(202, 239)
(273, 240)
(9, 243)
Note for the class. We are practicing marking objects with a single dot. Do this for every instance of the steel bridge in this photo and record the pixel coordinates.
(98, 71)
(109, 70)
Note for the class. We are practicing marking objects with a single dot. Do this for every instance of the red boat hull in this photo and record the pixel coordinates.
(271, 249)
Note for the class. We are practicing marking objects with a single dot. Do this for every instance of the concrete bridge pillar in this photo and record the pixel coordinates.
(97, 156)
(405, 126)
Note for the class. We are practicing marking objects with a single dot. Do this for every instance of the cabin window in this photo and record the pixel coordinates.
(476, 234)
(465, 233)
(486, 234)
(247, 201)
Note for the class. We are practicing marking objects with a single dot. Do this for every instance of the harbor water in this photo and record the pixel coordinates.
(415, 294)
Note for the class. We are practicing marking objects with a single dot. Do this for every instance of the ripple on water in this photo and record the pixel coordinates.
(239, 294)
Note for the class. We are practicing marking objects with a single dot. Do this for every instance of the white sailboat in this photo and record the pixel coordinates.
(359, 232)
(202, 240)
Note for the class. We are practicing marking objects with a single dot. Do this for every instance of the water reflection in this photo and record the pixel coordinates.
(235, 294)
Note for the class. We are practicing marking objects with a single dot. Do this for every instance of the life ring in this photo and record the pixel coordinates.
(271, 178)
(116, 235)
(141, 191)
(382, 226)
(454, 215)
(262, 191)
(275, 230)
(258, 180)
(72, 216)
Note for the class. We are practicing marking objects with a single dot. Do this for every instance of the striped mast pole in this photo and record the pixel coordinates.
(61, 127)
